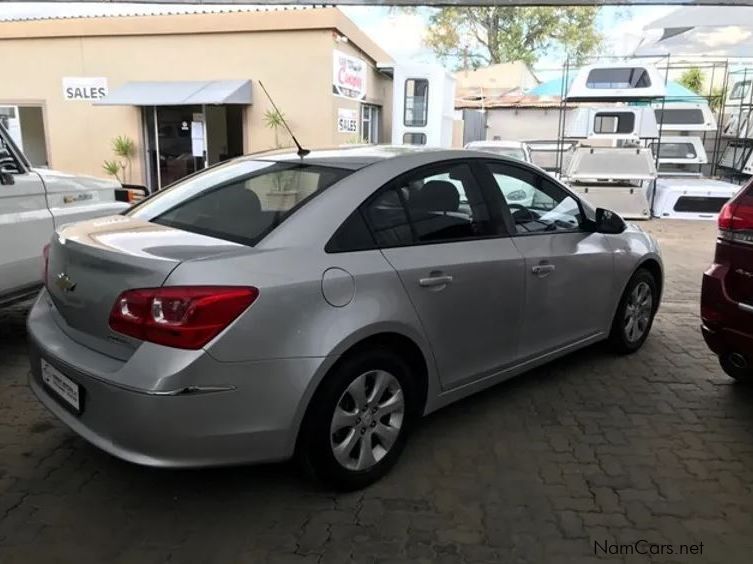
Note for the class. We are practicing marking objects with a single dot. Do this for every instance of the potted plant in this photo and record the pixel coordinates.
(125, 150)
(283, 194)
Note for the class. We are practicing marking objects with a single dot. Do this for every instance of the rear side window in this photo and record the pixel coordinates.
(614, 78)
(679, 116)
(618, 122)
(240, 201)
(441, 204)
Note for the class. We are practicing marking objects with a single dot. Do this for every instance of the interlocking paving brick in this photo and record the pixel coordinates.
(656, 446)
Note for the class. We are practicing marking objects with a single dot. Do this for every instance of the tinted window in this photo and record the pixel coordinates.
(535, 203)
(441, 205)
(414, 138)
(699, 204)
(678, 116)
(416, 102)
(239, 201)
(614, 78)
(353, 235)
(621, 122)
(388, 219)
(674, 150)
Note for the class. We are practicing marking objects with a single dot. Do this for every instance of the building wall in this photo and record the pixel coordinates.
(294, 64)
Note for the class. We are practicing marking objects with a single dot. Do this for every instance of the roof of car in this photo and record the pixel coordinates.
(350, 157)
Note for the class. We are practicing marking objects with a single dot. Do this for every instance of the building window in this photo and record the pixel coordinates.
(414, 139)
(416, 102)
(370, 118)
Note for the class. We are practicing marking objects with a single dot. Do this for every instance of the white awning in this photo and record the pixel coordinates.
(184, 93)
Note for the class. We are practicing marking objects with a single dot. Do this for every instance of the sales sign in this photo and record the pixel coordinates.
(84, 88)
(348, 76)
(347, 121)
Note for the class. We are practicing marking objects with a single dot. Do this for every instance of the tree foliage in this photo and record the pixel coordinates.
(478, 36)
(693, 79)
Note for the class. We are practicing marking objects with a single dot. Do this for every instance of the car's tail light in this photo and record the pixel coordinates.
(185, 317)
(736, 217)
(46, 262)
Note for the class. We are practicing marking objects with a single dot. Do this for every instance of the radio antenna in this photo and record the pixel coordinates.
(301, 151)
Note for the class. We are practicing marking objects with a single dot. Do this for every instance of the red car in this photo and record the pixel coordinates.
(727, 292)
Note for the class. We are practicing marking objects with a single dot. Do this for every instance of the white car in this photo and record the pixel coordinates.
(33, 204)
(516, 192)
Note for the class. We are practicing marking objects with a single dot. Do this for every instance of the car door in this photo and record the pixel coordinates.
(569, 269)
(25, 222)
(458, 265)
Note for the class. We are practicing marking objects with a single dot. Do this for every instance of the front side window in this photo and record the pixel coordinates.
(238, 201)
(416, 102)
(611, 123)
(536, 204)
(443, 204)
(618, 78)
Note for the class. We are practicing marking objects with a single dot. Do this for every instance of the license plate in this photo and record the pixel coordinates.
(63, 386)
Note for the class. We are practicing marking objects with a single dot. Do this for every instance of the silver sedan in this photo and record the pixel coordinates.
(275, 306)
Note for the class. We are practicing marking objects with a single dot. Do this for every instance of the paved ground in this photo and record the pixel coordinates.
(657, 446)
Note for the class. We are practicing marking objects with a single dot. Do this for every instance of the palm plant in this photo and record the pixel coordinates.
(125, 148)
(274, 120)
(113, 169)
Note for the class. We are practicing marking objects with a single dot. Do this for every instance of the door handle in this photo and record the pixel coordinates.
(434, 281)
(543, 269)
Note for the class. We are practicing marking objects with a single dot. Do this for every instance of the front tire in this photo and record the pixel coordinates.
(635, 313)
(358, 420)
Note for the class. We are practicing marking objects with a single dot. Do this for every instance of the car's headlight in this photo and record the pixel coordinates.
(517, 195)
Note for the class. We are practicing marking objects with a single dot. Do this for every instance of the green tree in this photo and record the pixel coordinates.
(693, 79)
(480, 36)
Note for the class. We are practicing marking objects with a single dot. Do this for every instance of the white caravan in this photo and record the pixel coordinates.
(617, 81)
(423, 99)
(612, 123)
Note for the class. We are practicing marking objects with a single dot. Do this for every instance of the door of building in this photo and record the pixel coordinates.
(181, 140)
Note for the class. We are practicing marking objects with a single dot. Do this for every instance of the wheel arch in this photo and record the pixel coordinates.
(412, 349)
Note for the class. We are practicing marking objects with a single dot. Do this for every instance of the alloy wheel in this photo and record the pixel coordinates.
(367, 420)
(638, 312)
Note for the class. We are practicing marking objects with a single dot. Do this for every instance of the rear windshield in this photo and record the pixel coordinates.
(239, 201)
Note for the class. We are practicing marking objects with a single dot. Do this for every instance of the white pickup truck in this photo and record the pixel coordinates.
(34, 202)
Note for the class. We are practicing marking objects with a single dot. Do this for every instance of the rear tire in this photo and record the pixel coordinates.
(635, 313)
(358, 420)
(734, 370)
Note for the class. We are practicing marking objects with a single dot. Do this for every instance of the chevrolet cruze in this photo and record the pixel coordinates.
(275, 305)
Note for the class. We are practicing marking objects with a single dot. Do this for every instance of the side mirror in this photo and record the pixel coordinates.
(6, 177)
(7, 168)
(608, 221)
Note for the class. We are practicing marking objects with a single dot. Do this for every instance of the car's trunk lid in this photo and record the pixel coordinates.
(92, 262)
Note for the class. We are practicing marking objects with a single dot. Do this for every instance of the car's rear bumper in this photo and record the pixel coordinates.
(726, 325)
(224, 413)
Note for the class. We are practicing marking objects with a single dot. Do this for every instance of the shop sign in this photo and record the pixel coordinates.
(84, 88)
(348, 76)
(347, 121)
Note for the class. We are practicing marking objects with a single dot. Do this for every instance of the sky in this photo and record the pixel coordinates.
(398, 32)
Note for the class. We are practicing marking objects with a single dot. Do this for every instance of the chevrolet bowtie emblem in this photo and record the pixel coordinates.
(65, 283)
